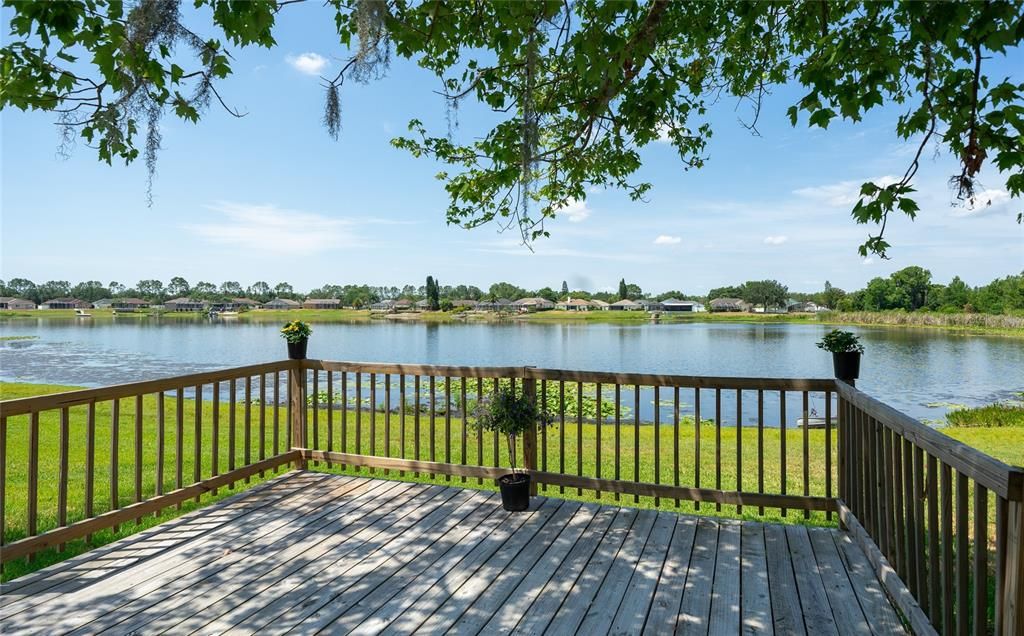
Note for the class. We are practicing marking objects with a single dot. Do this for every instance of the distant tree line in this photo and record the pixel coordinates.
(909, 289)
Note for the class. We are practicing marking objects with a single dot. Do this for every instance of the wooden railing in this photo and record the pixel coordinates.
(75, 463)
(667, 438)
(899, 481)
(113, 455)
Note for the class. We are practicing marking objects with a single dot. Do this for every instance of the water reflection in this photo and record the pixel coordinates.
(909, 368)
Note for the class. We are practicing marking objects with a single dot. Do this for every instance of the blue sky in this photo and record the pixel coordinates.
(271, 197)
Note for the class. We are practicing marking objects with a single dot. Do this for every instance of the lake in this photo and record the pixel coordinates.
(919, 371)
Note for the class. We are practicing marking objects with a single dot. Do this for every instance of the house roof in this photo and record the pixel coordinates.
(63, 300)
(625, 302)
(131, 301)
(575, 302)
(676, 301)
(7, 299)
(402, 302)
(535, 300)
(283, 301)
(245, 301)
(323, 301)
(183, 301)
(598, 303)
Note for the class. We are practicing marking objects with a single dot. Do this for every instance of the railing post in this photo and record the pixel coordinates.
(530, 436)
(1013, 571)
(296, 386)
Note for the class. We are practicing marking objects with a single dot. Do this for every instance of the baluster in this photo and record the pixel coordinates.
(387, 418)
(359, 415)
(115, 434)
(479, 432)
(807, 450)
(62, 475)
(760, 447)
(447, 423)
(344, 414)
(247, 412)
(3, 478)
(416, 421)
(543, 428)
(782, 445)
(618, 433)
(739, 445)
(561, 432)
(138, 454)
(263, 418)
(373, 417)
(215, 439)
(696, 442)
(980, 559)
(433, 422)
(31, 512)
(197, 438)
(718, 444)
(316, 411)
(597, 436)
(963, 602)
(657, 440)
(277, 415)
(901, 562)
(933, 539)
(579, 437)
(675, 440)
(920, 590)
(828, 448)
(401, 417)
(330, 415)
(233, 392)
(947, 548)
(636, 438)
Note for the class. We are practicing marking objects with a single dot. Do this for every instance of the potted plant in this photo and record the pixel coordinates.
(296, 334)
(846, 350)
(511, 415)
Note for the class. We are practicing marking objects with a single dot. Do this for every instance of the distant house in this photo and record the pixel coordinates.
(282, 303)
(422, 305)
(537, 303)
(129, 304)
(502, 304)
(624, 305)
(574, 304)
(650, 305)
(807, 307)
(321, 303)
(244, 303)
(7, 302)
(65, 303)
(185, 304)
(674, 304)
(384, 305)
(103, 303)
(465, 303)
(729, 304)
(600, 305)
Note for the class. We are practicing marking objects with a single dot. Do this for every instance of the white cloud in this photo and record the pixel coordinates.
(984, 203)
(842, 193)
(665, 239)
(775, 240)
(273, 229)
(575, 210)
(308, 63)
(868, 261)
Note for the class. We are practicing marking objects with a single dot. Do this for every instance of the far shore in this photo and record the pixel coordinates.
(980, 324)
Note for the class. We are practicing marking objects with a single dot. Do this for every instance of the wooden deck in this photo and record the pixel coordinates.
(309, 552)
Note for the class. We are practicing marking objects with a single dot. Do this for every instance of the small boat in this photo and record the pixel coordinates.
(227, 314)
(81, 313)
(811, 422)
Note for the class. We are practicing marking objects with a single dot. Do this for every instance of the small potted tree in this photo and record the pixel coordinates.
(511, 415)
(296, 334)
(846, 350)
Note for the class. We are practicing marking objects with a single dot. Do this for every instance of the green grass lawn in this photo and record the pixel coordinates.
(636, 456)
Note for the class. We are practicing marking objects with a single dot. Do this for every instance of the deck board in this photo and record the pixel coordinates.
(309, 552)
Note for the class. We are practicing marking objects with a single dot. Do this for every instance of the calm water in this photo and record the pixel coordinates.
(917, 371)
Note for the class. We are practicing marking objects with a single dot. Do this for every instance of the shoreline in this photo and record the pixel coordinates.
(966, 324)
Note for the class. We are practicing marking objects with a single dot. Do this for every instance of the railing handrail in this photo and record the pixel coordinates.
(569, 375)
(23, 406)
(999, 477)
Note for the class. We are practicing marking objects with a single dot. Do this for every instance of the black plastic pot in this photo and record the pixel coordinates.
(515, 492)
(297, 350)
(846, 365)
